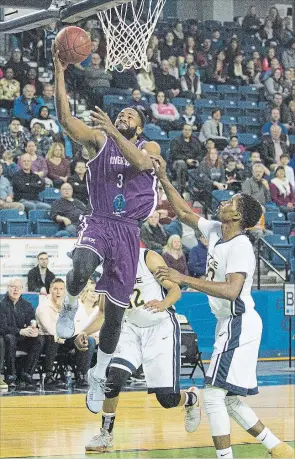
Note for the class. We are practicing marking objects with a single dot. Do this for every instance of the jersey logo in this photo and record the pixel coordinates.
(119, 204)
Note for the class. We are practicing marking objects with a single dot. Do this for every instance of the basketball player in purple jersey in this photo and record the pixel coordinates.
(122, 188)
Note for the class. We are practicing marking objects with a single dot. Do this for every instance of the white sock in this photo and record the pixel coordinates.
(268, 439)
(102, 362)
(227, 453)
(71, 300)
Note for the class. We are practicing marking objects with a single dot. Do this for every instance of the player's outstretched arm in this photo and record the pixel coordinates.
(180, 207)
(76, 129)
(138, 158)
(228, 290)
(153, 261)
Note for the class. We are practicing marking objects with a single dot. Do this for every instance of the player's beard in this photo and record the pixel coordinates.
(128, 133)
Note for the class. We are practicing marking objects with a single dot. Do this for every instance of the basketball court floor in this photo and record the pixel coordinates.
(58, 425)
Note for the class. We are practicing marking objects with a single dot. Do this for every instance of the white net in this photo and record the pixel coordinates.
(128, 29)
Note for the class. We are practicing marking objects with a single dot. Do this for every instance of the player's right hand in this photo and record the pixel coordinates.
(81, 342)
(159, 166)
(58, 64)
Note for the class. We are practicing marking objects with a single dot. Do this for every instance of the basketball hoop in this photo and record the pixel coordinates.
(127, 39)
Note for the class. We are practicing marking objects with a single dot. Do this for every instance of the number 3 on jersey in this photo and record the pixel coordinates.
(120, 180)
(136, 300)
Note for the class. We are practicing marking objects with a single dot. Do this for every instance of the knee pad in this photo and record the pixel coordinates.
(214, 402)
(168, 400)
(116, 379)
(241, 412)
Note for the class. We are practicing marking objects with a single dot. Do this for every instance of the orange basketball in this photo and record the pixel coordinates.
(74, 45)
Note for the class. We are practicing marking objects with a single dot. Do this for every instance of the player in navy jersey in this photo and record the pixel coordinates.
(122, 188)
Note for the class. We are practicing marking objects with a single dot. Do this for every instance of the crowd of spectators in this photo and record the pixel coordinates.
(206, 155)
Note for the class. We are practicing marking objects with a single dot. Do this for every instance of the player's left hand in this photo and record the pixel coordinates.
(155, 306)
(102, 121)
(165, 273)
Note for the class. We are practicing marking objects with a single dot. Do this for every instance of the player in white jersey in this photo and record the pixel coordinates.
(151, 337)
(230, 270)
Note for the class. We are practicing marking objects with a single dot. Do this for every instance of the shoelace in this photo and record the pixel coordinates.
(98, 383)
(103, 438)
(66, 310)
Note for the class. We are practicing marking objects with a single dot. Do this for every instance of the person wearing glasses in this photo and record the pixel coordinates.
(18, 321)
(40, 277)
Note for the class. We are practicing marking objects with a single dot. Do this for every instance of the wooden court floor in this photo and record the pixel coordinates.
(60, 425)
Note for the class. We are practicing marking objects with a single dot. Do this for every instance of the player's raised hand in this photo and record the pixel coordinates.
(155, 306)
(81, 342)
(58, 64)
(102, 121)
(159, 165)
(164, 273)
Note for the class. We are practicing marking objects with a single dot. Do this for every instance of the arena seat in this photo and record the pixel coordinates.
(17, 227)
(249, 92)
(46, 227)
(273, 216)
(248, 139)
(49, 195)
(273, 239)
(281, 227)
(285, 251)
(174, 134)
(228, 91)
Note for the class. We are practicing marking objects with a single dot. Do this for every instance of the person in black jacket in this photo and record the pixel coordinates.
(78, 182)
(40, 276)
(20, 333)
(27, 186)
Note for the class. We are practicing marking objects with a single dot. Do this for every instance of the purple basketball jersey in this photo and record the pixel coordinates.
(117, 188)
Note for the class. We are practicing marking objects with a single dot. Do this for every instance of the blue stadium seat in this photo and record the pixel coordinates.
(4, 113)
(249, 121)
(291, 217)
(247, 107)
(228, 120)
(273, 239)
(113, 103)
(292, 269)
(220, 195)
(151, 129)
(17, 227)
(208, 89)
(49, 195)
(273, 216)
(228, 91)
(205, 118)
(181, 102)
(35, 215)
(246, 156)
(156, 135)
(285, 251)
(47, 228)
(164, 145)
(292, 139)
(281, 227)
(205, 103)
(249, 92)
(174, 134)
(12, 214)
(271, 206)
(292, 240)
(248, 139)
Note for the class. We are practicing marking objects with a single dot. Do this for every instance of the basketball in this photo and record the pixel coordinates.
(73, 44)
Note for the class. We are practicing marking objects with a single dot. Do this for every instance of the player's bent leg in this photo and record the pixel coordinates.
(192, 408)
(105, 440)
(214, 402)
(85, 261)
(246, 418)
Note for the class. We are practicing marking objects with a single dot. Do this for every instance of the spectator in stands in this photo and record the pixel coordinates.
(27, 186)
(281, 190)
(184, 63)
(39, 164)
(186, 153)
(6, 194)
(254, 158)
(124, 80)
(287, 83)
(197, 259)
(47, 122)
(41, 139)
(213, 129)
(178, 33)
(266, 33)
(191, 83)
(137, 101)
(20, 334)
(91, 305)
(280, 105)
(15, 139)
(174, 256)
(164, 113)
(164, 208)
(146, 80)
(233, 175)
(45, 43)
(8, 165)
(273, 147)
(191, 118)
(154, 57)
(32, 80)
(190, 47)
(20, 68)
(219, 68)
(204, 57)
(268, 59)
(173, 67)
(193, 31)
(97, 80)
(58, 165)
(257, 61)
(251, 23)
(40, 277)
(82, 155)
(9, 89)
(286, 33)
(211, 172)
(78, 182)
(66, 211)
(47, 314)
(48, 98)
(165, 82)
(216, 41)
(236, 71)
(232, 50)
(27, 106)
(284, 161)
(277, 22)
(169, 48)
(273, 85)
(153, 234)
(288, 56)
(253, 75)
(257, 186)
(291, 117)
(234, 150)
(275, 117)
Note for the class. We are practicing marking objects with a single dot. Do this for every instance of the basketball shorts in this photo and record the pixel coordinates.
(116, 241)
(157, 349)
(234, 359)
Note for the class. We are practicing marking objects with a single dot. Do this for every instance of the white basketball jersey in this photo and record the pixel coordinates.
(226, 257)
(146, 288)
